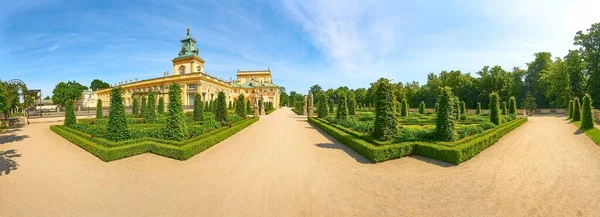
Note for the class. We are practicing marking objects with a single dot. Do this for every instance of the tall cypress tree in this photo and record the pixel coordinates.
(116, 129)
(512, 106)
(342, 111)
(239, 106)
(99, 109)
(576, 110)
(587, 120)
(136, 107)
(161, 105)
(150, 115)
(221, 107)
(175, 127)
(385, 126)
(70, 118)
(495, 108)
(444, 124)
(198, 110)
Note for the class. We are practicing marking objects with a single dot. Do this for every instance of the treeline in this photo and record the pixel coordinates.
(551, 82)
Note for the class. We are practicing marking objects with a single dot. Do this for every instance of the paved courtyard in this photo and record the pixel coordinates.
(544, 168)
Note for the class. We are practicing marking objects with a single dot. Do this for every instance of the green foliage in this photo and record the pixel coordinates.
(458, 110)
(161, 105)
(322, 108)
(342, 110)
(150, 114)
(70, 118)
(495, 108)
(110, 151)
(206, 107)
(230, 105)
(570, 109)
(70, 91)
(221, 107)
(3, 99)
(504, 110)
(351, 105)
(198, 110)
(385, 126)
(404, 107)
(136, 109)
(587, 119)
(512, 106)
(463, 108)
(478, 111)
(98, 84)
(422, 107)
(175, 128)
(529, 103)
(117, 129)
(239, 106)
(456, 154)
(576, 110)
(444, 125)
(331, 106)
(248, 108)
(143, 107)
(593, 133)
(99, 109)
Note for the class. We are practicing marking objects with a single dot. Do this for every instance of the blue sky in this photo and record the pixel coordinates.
(329, 42)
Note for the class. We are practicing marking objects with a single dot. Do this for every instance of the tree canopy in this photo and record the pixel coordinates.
(64, 92)
(98, 84)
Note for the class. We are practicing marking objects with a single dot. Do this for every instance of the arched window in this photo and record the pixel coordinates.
(181, 69)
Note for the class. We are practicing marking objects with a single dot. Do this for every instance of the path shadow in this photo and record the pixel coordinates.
(10, 130)
(432, 161)
(579, 131)
(7, 163)
(11, 138)
(359, 158)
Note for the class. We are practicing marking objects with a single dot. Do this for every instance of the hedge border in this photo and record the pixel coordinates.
(109, 151)
(451, 154)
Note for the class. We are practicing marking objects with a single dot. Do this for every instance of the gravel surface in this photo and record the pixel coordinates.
(282, 166)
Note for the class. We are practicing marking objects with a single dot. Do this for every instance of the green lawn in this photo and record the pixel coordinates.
(593, 133)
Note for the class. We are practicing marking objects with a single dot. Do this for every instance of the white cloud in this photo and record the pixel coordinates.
(52, 48)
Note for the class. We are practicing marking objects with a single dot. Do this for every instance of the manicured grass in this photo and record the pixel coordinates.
(593, 133)
(109, 150)
(454, 152)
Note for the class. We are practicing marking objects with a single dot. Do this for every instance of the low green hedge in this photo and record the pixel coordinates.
(269, 111)
(297, 112)
(376, 152)
(109, 151)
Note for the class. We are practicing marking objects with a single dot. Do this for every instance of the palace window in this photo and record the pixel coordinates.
(181, 69)
(192, 86)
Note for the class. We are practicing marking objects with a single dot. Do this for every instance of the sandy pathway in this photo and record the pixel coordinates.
(542, 169)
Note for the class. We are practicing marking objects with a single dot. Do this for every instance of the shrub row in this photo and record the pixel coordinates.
(455, 154)
(109, 151)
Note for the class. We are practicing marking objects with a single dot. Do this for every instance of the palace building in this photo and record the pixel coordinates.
(189, 74)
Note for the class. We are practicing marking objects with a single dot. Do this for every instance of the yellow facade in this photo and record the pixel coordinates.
(189, 74)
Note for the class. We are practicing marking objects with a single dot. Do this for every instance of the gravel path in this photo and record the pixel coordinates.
(282, 166)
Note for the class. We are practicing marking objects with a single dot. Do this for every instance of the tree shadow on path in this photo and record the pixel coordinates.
(11, 138)
(334, 144)
(7, 163)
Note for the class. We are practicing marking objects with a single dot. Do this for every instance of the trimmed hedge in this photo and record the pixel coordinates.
(108, 151)
(377, 152)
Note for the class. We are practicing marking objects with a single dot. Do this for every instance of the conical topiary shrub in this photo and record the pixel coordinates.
(444, 124)
(117, 129)
(478, 111)
(150, 115)
(70, 118)
(576, 110)
(385, 126)
(342, 111)
(587, 120)
(161, 105)
(175, 127)
(570, 109)
(495, 108)
(99, 113)
(422, 107)
(512, 106)
(198, 108)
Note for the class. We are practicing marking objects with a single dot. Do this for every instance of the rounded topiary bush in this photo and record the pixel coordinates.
(478, 111)
(161, 105)
(99, 113)
(570, 108)
(404, 108)
(385, 126)
(422, 107)
(342, 110)
(322, 108)
(70, 118)
(512, 106)
(444, 124)
(150, 115)
(576, 110)
(198, 108)
(175, 127)
(495, 108)
(221, 107)
(587, 120)
(117, 129)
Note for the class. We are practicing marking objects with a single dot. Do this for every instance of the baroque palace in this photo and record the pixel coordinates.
(188, 72)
